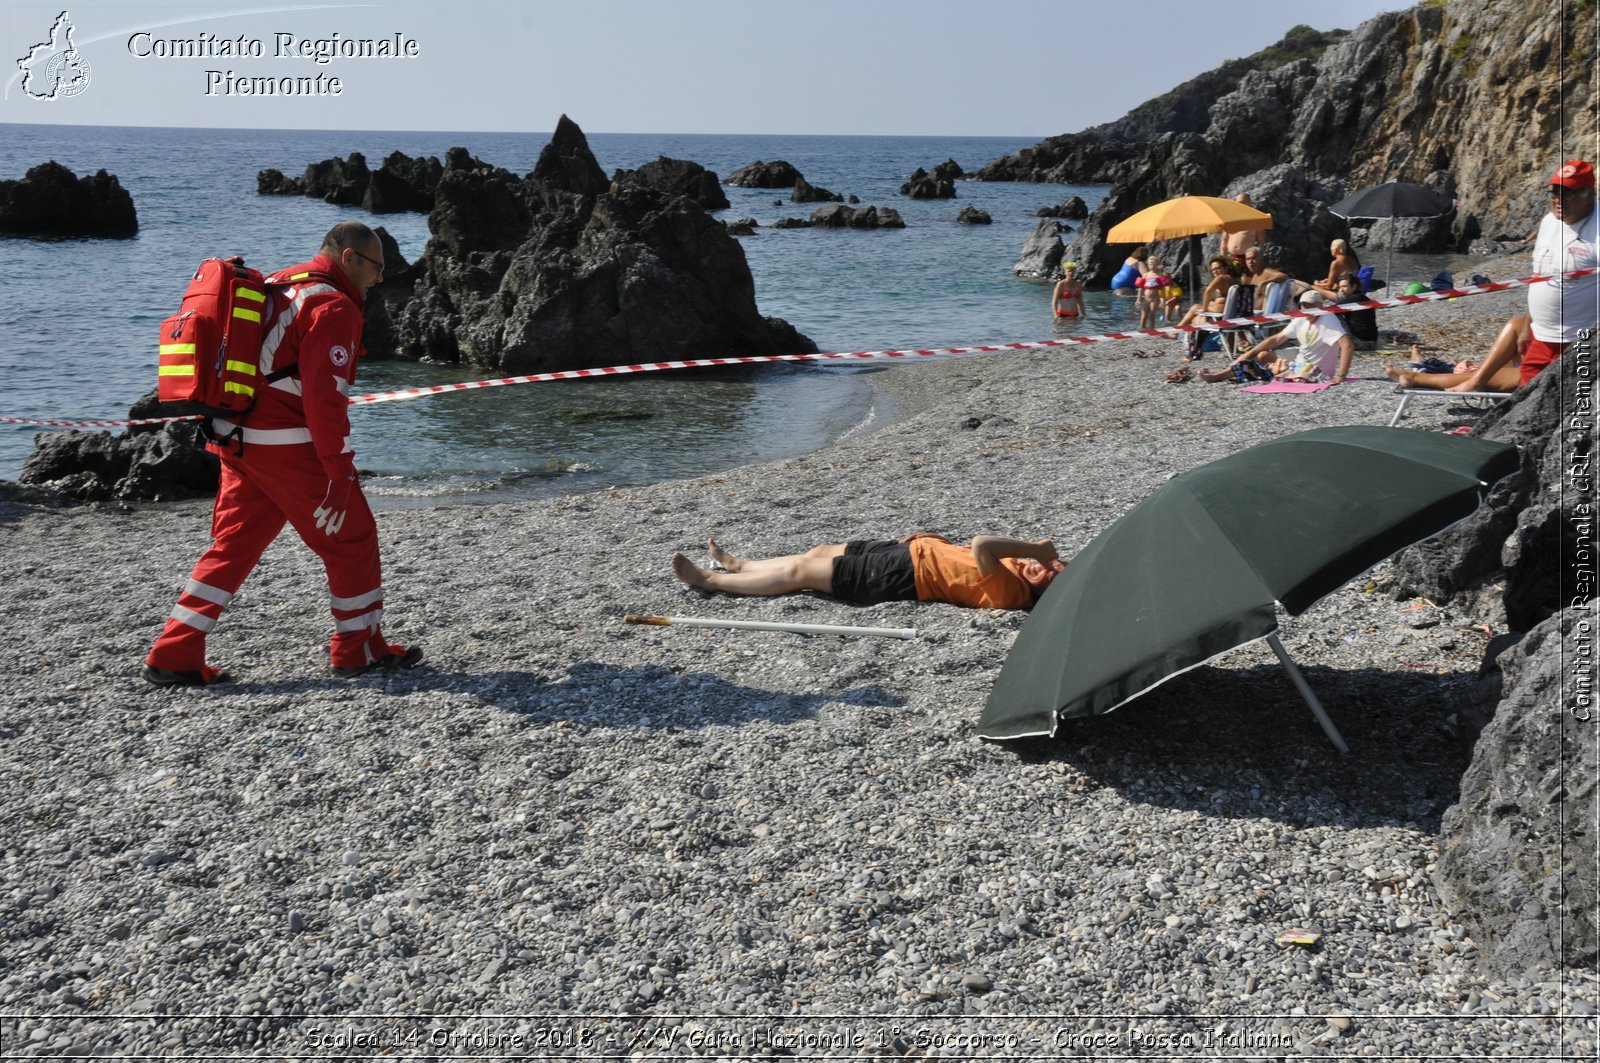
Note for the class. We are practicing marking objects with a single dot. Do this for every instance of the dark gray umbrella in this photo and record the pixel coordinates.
(1193, 571)
(1397, 199)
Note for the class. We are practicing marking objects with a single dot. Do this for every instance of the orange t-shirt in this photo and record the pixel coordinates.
(946, 572)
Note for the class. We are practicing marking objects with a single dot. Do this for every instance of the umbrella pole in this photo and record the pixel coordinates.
(1305, 692)
(1390, 289)
(1194, 267)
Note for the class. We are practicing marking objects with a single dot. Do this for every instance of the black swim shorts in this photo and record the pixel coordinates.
(873, 571)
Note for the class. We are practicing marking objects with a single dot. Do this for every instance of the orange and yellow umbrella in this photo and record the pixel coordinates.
(1187, 216)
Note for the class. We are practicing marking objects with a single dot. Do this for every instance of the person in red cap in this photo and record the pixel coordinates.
(1563, 306)
(293, 464)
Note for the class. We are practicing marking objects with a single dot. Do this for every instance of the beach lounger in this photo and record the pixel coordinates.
(1272, 299)
(1207, 327)
(1479, 400)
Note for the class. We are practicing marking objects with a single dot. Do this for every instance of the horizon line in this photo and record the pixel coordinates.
(526, 132)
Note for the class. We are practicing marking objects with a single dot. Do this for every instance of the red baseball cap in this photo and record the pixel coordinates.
(1574, 174)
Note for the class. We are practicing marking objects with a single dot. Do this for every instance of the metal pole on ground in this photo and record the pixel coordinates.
(763, 625)
(1305, 692)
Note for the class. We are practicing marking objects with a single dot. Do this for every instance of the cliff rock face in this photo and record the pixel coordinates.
(1472, 95)
(564, 269)
(50, 200)
(1094, 154)
(1504, 562)
(1517, 852)
(1518, 849)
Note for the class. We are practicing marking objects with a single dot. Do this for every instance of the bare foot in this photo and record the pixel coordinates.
(723, 558)
(689, 572)
(1403, 377)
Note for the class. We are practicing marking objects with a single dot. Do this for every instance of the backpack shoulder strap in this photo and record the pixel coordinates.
(298, 286)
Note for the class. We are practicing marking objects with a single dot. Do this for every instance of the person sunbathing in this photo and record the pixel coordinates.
(992, 572)
(1501, 369)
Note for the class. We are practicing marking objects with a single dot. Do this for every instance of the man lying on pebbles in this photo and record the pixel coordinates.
(992, 572)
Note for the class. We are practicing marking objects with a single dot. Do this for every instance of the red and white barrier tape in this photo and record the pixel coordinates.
(406, 394)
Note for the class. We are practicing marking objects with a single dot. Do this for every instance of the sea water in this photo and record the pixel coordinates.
(78, 317)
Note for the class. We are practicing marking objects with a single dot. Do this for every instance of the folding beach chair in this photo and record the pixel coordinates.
(1227, 335)
(1478, 401)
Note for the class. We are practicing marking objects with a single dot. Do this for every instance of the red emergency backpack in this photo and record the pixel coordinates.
(210, 349)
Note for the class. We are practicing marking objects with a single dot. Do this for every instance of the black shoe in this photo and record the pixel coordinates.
(397, 657)
(162, 677)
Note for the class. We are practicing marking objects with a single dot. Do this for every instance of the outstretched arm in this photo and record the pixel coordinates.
(1265, 345)
(987, 551)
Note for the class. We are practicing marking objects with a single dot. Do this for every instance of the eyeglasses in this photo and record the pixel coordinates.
(369, 260)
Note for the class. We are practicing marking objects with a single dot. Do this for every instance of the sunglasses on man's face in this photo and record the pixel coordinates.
(369, 260)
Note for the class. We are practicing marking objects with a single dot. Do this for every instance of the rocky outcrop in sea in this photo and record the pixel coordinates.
(1434, 95)
(1043, 252)
(50, 200)
(868, 217)
(937, 185)
(677, 177)
(150, 463)
(400, 184)
(1073, 208)
(806, 192)
(567, 269)
(758, 174)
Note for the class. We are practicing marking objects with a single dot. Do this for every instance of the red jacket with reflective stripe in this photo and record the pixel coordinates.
(322, 336)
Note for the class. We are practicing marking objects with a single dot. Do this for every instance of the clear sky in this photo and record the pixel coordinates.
(1029, 68)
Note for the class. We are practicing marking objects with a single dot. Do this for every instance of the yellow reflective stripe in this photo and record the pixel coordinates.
(251, 294)
(175, 370)
(247, 314)
(298, 276)
(243, 389)
(177, 348)
(239, 367)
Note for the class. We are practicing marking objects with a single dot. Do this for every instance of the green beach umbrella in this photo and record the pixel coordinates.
(1193, 570)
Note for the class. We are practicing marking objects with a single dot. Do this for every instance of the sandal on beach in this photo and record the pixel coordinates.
(1180, 376)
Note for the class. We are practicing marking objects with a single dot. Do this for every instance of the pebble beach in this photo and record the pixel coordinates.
(570, 837)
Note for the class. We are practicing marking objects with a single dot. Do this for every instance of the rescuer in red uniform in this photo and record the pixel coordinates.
(289, 460)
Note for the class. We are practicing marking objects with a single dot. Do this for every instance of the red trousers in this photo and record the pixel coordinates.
(261, 491)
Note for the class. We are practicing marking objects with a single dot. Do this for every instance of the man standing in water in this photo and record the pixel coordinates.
(289, 460)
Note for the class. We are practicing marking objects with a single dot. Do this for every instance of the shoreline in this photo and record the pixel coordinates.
(561, 813)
